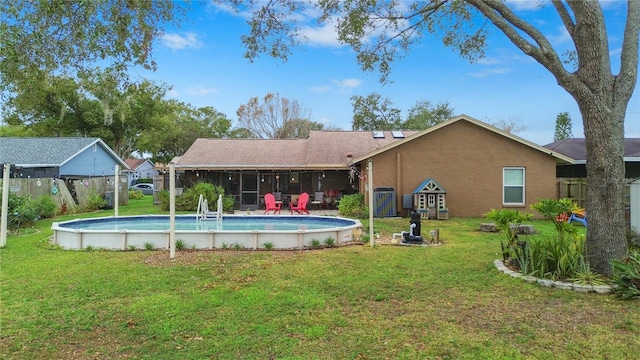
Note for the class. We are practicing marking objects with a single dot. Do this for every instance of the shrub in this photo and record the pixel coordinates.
(365, 238)
(353, 206)
(626, 275)
(557, 211)
(228, 202)
(180, 245)
(63, 209)
(633, 239)
(556, 257)
(135, 194)
(315, 243)
(21, 211)
(45, 207)
(188, 201)
(148, 246)
(330, 241)
(268, 245)
(95, 202)
(585, 276)
(508, 221)
(562, 256)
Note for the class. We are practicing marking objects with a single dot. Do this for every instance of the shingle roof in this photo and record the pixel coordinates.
(577, 149)
(334, 147)
(323, 149)
(45, 151)
(135, 163)
(244, 153)
(560, 158)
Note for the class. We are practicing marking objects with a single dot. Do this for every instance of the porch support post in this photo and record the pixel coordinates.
(116, 192)
(370, 184)
(172, 210)
(6, 175)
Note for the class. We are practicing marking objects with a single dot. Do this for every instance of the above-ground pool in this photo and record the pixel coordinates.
(233, 231)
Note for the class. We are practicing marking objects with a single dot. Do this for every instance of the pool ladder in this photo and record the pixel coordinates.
(203, 212)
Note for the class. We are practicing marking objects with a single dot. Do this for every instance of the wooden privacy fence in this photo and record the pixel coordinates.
(83, 188)
(576, 190)
(55, 188)
(74, 194)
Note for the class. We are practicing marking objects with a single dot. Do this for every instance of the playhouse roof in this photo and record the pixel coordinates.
(429, 186)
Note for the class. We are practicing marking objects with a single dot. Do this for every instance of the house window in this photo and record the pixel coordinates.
(513, 186)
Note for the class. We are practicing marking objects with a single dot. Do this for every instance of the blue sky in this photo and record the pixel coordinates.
(203, 63)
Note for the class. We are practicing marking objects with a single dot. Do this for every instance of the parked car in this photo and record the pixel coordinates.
(146, 189)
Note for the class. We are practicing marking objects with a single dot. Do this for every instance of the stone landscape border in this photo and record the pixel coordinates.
(600, 289)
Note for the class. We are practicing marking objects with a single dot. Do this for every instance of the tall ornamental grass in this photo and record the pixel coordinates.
(555, 256)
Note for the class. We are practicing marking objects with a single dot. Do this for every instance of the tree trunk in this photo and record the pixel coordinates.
(604, 137)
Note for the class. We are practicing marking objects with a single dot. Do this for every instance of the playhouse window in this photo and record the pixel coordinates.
(513, 186)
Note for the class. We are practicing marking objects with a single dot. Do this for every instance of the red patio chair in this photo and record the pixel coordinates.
(301, 206)
(271, 204)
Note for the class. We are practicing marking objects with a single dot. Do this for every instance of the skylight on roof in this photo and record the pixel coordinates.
(377, 134)
(397, 134)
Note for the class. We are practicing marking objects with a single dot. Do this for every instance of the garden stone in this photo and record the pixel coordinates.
(583, 288)
(499, 265)
(562, 285)
(602, 289)
(545, 282)
(488, 227)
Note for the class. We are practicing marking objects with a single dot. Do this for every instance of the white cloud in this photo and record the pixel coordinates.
(321, 36)
(178, 42)
(615, 52)
(200, 90)
(320, 88)
(325, 121)
(523, 5)
(611, 3)
(173, 94)
(504, 57)
(347, 83)
(491, 61)
(561, 37)
(489, 72)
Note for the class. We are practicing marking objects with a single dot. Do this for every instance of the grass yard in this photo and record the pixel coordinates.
(355, 302)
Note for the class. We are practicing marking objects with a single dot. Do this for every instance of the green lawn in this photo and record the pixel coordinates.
(355, 302)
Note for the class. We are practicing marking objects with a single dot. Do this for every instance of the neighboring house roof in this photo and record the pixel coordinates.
(577, 149)
(560, 158)
(47, 151)
(134, 164)
(322, 150)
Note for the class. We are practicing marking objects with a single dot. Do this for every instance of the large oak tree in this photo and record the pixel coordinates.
(40, 39)
(380, 32)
